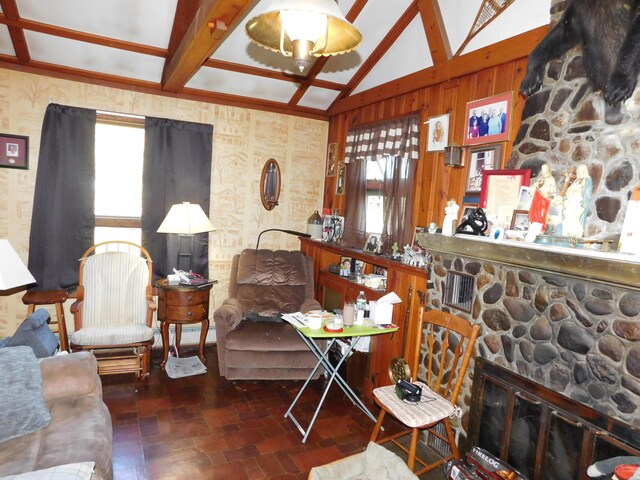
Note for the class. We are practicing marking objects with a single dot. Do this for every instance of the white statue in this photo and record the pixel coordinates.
(545, 182)
(576, 204)
(450, 218)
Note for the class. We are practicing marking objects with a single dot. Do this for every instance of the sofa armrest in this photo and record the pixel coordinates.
(229, 314)
(310, 304)
(70, 375)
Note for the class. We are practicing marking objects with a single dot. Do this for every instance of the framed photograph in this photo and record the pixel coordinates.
(520, 220)
(437, 133)
(373, 245)
(14, 151)
(332, 160)
(487, 157)
(501, 188)
(346, 264)
(489, 119)
(524, 198)
(342, 174)
(415, 234)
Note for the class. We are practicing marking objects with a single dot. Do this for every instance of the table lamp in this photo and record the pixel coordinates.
(185, 219)
(13, 272)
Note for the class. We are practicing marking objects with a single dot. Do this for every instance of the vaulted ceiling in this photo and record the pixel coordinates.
(199, 50)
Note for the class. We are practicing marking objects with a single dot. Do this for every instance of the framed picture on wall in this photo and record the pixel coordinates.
(486, 157)
(501, 189)
(437, 133)
(489, 119)
(14, 151)
(332, 159)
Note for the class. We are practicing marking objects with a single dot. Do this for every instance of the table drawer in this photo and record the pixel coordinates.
(194, 313)
(191, 297)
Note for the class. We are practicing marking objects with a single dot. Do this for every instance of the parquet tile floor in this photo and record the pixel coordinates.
(206, 427)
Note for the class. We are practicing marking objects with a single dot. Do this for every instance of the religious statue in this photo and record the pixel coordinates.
(543, 189)
(450, 218)
(576, 203)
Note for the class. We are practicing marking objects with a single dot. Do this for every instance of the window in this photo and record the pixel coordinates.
(375, 197)
(118, 191)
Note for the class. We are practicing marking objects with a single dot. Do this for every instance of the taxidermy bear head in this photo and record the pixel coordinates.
(609, 31)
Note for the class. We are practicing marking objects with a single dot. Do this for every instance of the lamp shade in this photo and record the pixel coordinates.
(301, 28)
(13, 273)
(186, 219)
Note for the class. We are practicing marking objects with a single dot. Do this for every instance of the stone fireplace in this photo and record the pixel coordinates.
(568, 321)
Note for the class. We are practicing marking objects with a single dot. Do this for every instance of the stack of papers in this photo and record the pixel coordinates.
(296, 319)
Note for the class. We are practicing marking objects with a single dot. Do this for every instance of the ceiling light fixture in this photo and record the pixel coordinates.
(302, 29)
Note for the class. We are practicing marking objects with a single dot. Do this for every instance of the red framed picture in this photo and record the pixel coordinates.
(489, 119)
(14, 151)
(502, 188)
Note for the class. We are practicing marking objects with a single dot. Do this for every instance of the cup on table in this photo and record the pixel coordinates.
(348, 314)
(314, 321)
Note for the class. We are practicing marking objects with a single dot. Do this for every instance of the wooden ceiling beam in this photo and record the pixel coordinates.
(505, 51)
(185, 11)
(152, 88)
(18, 39)
(434, 28)
(382, 48)
(211, 23)
(81, 36)
(275, 74)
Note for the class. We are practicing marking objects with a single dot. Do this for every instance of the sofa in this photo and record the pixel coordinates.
(253, 343)
(58, 420)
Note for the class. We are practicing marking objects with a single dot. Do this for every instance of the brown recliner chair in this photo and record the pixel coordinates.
(264, 283)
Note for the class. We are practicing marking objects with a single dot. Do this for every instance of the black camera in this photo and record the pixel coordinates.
(408, 391)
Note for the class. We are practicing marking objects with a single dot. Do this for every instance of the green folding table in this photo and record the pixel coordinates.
(310, 338)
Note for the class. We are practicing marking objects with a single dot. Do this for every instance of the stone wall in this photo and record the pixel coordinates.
(579, 338)
(563, 124)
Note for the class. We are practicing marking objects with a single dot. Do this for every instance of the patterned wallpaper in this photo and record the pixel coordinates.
(243, 140)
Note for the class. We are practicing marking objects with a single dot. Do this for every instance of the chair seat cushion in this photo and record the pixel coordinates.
(431, 408)
(112, 335)
(265, 336)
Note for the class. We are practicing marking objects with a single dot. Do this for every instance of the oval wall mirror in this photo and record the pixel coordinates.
(270, 184)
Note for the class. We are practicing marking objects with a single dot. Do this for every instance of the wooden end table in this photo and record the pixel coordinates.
(181, 305)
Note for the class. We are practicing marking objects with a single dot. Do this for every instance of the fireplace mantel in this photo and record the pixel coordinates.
(609, 268)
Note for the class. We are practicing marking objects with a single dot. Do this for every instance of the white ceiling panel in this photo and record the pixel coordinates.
(374, 22)
(519, 17)
(147, 22)
(233, 83)
(95, 58)
(458, 17)
(6, 46)
(321, 98)
(410, 53)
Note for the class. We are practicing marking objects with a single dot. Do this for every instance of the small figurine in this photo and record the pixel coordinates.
(576, 204)
(395, 249)
(450, 217)
(544, 188)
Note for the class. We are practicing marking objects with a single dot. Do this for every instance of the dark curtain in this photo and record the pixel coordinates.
(354, 234)
(396, 141)
(398, 186)
(63, 220)
(177, 168)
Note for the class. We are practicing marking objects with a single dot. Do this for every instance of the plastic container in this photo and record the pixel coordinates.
(361, 305)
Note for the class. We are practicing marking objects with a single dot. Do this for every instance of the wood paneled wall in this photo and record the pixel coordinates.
(435, 183)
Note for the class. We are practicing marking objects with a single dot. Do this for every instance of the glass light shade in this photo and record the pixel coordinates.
(13, 273)
(291, 27)
(186, 219)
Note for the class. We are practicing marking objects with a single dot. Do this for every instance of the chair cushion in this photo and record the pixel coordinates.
(268, 267)
(22, 406)
(266, 337)
(115, 286)
(112, 335)
(71, 471)
(431, 409)
(34, 332)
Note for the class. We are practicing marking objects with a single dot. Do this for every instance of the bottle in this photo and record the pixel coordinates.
(314, 226)
(361, 304)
